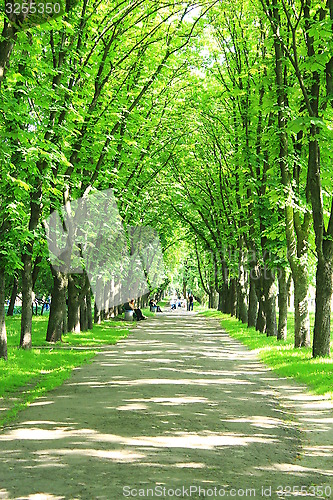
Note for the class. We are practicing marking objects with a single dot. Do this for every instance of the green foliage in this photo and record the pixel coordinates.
(180, 117)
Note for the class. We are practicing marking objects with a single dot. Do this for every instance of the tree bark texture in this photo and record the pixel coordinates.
(8, 38)
(302, 319)
(73, 304)
(241, 289)
(261, 316)
(90, 323)
(57, 324)
(26, 317)
(3, 333)
(322, 327)
(253, 303)
(283, 304)
(270, 302)
(83, 316)
(97, 315)
(27, 279)
(233, 296)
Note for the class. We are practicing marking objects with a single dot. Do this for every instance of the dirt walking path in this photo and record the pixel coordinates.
(176, 410)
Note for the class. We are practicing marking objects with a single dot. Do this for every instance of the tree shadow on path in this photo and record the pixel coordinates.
(177, 404)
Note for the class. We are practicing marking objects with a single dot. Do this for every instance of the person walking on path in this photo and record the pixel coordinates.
(190, 302)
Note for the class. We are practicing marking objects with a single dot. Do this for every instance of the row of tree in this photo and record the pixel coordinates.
(252, 179)
(211, 123)
(84, 99)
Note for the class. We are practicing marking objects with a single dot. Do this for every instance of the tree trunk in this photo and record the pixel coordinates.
(297, 232)
(8, 38)
(97, 315)
(35, 270)
(220, 306)
(85, 288)
(283, 304)
(215, 299)
(145, 299)
(253, 303)
(64, 306)
(13, 296)
(3, 333)
(184, 288)
(270, 302)
(323, 236)
(241, 298)
(27, 281)
(290, 279)
(107, 298)
(211, 299)
(89, 310)
(83, 316)
(241, 285)
(73, 304)
(322, 327)
(233, 296)
(26, 318)
(302, 320)
(261, 318)
(224, 297)
(241, 304)
(58, 314)
(227, 299)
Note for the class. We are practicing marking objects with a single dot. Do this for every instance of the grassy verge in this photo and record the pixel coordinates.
(281, 356)
(146, 312)
(30, 374)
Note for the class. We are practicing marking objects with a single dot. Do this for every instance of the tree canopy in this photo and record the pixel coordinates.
(211, 123)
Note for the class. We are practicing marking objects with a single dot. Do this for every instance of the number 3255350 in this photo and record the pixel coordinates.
(33, 8)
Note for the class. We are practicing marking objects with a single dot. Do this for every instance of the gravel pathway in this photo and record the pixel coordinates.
(177, 410)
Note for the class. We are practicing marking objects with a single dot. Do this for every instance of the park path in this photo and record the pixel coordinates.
(177, 404)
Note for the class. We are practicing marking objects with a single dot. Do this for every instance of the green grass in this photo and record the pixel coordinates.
(281, 356)
(164, 303)
(146, 312)
(30, 374)
(109, 332)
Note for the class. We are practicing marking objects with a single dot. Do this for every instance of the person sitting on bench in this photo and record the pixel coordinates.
(137, 311)
(153, 303)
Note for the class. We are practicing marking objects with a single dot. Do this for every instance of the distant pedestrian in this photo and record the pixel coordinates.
(190, 302)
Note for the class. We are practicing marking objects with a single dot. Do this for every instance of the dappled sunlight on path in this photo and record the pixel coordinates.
(177, 403)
